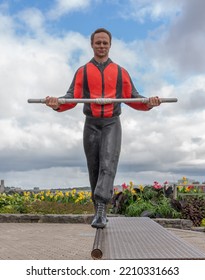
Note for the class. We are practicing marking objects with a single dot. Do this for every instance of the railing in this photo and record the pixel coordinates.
(177, 194)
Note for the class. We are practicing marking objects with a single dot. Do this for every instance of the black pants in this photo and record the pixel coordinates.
(102, 144)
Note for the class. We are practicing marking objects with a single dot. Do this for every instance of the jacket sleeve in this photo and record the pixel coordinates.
(129, 91)
(75, 91)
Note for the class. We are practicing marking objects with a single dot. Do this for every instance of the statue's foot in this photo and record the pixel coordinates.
(100, 219)
(99, 222)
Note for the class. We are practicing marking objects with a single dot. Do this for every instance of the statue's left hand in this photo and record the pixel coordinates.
(154, 101)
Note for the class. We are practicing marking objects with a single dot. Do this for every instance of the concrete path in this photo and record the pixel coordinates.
(53, 241)
(195, 238)
(41, 241)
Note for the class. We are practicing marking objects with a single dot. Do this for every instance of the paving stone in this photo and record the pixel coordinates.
(57, 241)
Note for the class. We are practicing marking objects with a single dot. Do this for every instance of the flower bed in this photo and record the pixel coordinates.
(186, 189)
(47, 202)
(155, 201)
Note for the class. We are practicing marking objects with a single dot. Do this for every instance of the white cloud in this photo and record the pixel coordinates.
(140, 10)
(7, 25)
(33, 19)
(41, 147)
(62, 7)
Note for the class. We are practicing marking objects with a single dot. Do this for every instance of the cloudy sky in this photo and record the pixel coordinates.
(42, 43)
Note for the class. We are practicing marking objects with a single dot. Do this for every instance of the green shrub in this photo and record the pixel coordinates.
(162, 209)
(137, 208)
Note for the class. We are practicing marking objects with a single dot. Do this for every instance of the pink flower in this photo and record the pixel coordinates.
(157, 185)
(124, 186)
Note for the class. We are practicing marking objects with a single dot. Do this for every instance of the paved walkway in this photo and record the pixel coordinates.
(195, 238)
(52, 241)
(42, 241)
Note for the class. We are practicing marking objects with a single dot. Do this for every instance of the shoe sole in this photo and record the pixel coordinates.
(98, 226)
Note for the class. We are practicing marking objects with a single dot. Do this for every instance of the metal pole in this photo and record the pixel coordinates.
(97, 253)
(2, 187)
(102, 101)
(175, 191)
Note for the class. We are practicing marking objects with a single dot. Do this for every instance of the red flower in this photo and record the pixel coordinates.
(157, 185)
(124, 186)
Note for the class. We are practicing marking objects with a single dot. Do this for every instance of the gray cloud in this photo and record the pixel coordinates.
(183, 45)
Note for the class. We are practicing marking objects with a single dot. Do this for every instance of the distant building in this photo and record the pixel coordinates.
(188, 181)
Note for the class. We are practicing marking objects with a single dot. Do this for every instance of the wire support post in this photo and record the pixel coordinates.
(97, 251)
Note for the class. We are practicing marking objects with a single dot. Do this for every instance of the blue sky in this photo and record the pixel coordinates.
(106, 14)
(160, 43)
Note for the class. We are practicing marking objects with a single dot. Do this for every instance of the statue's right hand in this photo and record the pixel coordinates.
(52, 102)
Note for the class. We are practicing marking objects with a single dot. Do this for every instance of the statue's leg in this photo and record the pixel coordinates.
(110, 146)
(91, 142)
(102, 142)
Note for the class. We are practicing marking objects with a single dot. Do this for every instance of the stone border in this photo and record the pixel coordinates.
(47, 218)
(86, 219)
(184, 224)
(174, 223)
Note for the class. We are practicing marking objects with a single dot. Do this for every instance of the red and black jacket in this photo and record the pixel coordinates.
(102, 80)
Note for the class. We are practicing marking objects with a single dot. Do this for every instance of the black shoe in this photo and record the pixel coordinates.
(95, 209)
(100, 219)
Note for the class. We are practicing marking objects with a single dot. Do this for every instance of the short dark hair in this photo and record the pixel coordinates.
(99, 30)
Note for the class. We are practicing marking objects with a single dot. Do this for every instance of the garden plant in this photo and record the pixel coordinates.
(47, 202)
(152, 201)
